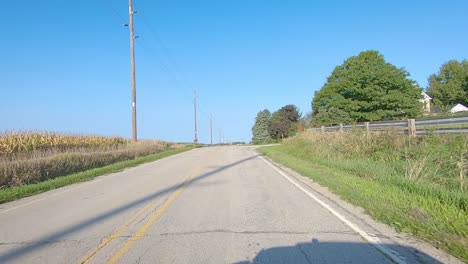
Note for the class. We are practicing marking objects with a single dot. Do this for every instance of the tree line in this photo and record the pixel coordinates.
(270, 127)
(367, 88)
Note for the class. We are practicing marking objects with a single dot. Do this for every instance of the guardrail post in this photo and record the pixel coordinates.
(412, 127)
(341, 128)
(323, 129)
(366, 125)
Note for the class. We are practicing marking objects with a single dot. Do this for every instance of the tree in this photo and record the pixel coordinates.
(291, 112)
(331, 116)
(279, 125)
(260, 129)
(450, 85)
(366, 88)
(306, 120)
(283, 122)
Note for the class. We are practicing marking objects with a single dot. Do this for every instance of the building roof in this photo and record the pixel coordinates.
(426, 96)
(458, 108)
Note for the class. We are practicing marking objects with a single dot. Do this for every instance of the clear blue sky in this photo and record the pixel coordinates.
(65, 64)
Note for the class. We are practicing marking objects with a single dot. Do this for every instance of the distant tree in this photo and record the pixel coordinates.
(306, 120)
(450, 85)
(291, 112)
(366, 88)
(283, 123)
(260, 134)
(279, 125)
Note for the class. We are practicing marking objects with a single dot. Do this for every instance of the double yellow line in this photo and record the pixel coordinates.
(142, 231)
(119, 232)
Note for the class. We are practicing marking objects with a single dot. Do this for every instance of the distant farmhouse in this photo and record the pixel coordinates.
(426, 100)
(458, 108)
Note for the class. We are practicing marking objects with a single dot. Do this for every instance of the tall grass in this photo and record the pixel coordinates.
(17, 192)
(19, 142)
(437, 160)
(31, 157)
(417, 185)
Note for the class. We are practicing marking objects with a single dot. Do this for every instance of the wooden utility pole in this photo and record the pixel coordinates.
(132, 66)
(211, 128)
(195, 116)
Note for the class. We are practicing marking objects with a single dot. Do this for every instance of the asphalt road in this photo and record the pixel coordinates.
(208, 205)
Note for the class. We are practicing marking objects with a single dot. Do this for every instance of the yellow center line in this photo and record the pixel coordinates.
(140, 233)
(119, 232)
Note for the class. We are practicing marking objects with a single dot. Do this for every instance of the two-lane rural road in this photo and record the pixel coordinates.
(208, 205)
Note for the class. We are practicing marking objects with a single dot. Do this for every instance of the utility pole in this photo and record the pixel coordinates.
(195, 116)
(211, 128)
(132, 66)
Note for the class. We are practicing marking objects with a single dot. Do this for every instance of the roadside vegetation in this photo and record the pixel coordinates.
(270, 128)
(367, 88)
(29, 158)
(417, 185)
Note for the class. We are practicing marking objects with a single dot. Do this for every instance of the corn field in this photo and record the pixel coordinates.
(31, 157)
(21, 142)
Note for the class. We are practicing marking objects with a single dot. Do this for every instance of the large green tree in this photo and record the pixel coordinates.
(367, 88)
(331, 116)
(283, 122)
(260, 134)
(450, 85)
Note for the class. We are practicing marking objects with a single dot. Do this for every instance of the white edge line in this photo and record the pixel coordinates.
(343, 219)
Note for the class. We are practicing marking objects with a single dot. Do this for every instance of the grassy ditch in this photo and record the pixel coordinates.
(415, 185)
(16, 192)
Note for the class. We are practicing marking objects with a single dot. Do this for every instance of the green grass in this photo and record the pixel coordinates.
(13, 193)
(434, 212)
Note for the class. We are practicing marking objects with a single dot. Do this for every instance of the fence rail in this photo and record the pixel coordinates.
(449, 125)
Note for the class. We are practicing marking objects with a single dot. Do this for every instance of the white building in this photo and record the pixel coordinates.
(458, 108)
(426, 100)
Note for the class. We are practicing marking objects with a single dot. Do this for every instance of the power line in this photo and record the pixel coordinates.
(175, 70)
(166, 51)
(116, 13)
(167, 64)
(162, 66)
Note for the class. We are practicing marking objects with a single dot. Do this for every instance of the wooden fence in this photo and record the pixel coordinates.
(412, 127)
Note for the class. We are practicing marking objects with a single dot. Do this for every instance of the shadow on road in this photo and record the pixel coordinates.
(335, 252)
(61, 234)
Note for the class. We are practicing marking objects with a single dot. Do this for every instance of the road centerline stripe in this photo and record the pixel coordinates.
(142, 231)
(106, 241)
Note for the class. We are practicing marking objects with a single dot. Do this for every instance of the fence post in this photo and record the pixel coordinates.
(366, 124)
(323, 129)
(341, 128)
(412, 127)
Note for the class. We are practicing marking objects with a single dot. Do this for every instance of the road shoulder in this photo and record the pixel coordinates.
(409, 248)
